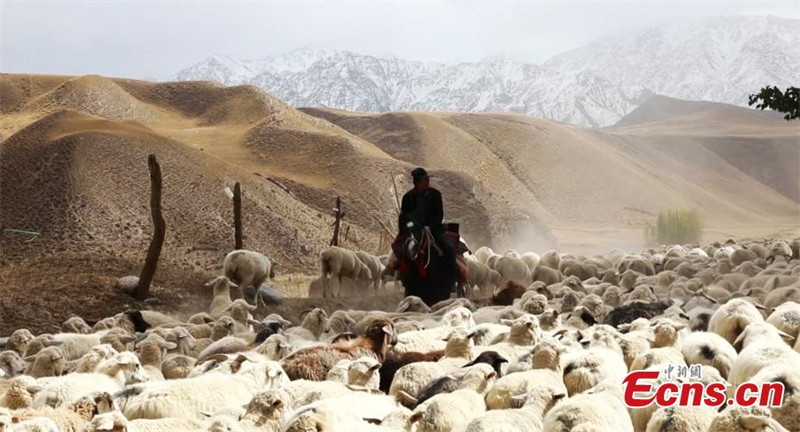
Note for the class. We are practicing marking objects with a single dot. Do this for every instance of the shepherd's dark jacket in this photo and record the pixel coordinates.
(426, 209)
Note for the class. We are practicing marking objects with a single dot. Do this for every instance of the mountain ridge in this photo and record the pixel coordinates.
(594, 85)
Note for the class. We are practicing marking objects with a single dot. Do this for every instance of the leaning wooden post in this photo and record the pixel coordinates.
(159, 230)
(237, 215)
(339, 214)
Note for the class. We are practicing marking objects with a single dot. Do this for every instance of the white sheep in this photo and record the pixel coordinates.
(513, 269)
(221, 299)
(311, 328)
(524, 332)
(114, 421)
(340, 263)
(528, 418)
(90, 360)
(788, 412)
(73, 417)
(779, 248)
(188, 398)
(709, 349)
(47, 362)
(480, 275)
(361, 373)
(20, 392)
(587, 368)
(346, 413)
(266, 411)
(39, 424)
(762, 346)
(110, 376)
(545, 370)
(375, 269)
(75, 324)
(483, 253)
(412, 377)
(598, 409)
(680, 418)
(745, 419)
(74, 345)
(433, 339)
(248, 268)
(786, 318)
(448, 411)
(731, 318)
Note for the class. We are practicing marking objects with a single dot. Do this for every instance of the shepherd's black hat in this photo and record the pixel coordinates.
(419, 173)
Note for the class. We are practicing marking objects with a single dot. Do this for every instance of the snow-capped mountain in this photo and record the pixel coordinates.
(721, 59)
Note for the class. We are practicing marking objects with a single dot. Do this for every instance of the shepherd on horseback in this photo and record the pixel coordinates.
(426, 256)
(423, 204)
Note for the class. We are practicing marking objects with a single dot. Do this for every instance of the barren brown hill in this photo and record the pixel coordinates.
(73, 167)
(761, 145)
(597, 188)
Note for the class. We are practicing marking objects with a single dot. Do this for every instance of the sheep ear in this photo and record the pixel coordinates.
(123, 360)
(518, 400)
(507, 322)
(738, 344)
(168, 345)
(789, 338)
(232, 285)
(251, 321)
(251, 307)
(126, 339)
(388, 330)
(237, 363)
(34, 388)
(753, 422)
(417, 416)
(559, 396)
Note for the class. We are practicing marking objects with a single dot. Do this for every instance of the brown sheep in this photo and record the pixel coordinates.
(314, 363)
(505, 295)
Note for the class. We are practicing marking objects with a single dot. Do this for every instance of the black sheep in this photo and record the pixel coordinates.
(637, 309)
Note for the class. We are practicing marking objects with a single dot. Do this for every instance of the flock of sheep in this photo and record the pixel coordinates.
(547, 351)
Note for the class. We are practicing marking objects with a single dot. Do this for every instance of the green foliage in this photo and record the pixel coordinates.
(776, 100)
(675, 227)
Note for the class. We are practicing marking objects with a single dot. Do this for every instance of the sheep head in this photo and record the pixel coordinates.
(382, 335)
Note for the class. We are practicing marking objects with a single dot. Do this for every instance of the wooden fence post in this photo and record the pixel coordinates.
(159, 231)
(237, 215)
(339, 214)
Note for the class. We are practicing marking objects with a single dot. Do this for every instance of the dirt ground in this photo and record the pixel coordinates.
(43, 293)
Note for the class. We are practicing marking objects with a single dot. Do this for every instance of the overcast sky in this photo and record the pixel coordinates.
(139, 39)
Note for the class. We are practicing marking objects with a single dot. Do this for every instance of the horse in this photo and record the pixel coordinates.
(421, 266)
